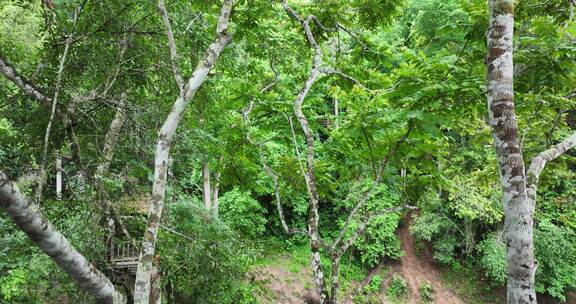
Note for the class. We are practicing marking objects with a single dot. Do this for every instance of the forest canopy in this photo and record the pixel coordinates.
(326, 151)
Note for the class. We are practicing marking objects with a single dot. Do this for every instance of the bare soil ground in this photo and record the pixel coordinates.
(419, 269)
(286, 286)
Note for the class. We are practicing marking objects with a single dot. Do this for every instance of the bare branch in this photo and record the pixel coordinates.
(362, 226)
(171, 44)
(332, 71)
(264, 89)
(42, 175)
(368, 195)
(549, 155)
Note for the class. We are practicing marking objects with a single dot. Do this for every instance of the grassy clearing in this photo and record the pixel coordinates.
(466, 283)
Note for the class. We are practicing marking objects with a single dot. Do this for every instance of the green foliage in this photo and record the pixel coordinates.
(11, 284)
(375, 284)
(380, 239)
(206, 261)
(556, 256)
(438, 228)
(21, 32)
(243, 213)
(425, 113)
(398, 287)
(492, 258)
(426, 293)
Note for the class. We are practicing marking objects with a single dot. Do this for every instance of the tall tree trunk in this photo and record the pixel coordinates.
(28, 217)
(206, 185)
(518, 213)
(111, 217)
(313, 217)
(165, 136)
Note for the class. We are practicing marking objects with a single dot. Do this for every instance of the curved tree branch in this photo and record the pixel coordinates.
(539, 162)
(27, 87)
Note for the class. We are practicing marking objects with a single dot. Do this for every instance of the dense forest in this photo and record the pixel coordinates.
(287, 151)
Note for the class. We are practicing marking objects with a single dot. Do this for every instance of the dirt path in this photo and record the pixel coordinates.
(419, 269)
(288, 286)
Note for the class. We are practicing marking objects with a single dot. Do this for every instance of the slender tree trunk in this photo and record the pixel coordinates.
(156, 290)
(518, 213)
(42, 170)
(111, 217)
(206, 185)
(274, 178)
(28, 217)
(165, 137)
(313, 217)
(335, 279)
(571, 10)
(216, 189)
(58, 175)
(336, 113)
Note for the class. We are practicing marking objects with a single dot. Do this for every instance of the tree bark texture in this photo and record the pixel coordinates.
(165, 137)
(518, 213)
(58, 175)
(29, 219)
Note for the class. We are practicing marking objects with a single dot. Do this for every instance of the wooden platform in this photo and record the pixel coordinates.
(124, 256)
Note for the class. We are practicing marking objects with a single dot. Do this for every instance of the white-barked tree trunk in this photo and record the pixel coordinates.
(165, 136)
(518, 213)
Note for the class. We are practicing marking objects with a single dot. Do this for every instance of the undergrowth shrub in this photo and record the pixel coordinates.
(554, 251)
(492, 258)
(556, 255)
(242, 213)
(398, 287)
(207, 262)
(426, 293)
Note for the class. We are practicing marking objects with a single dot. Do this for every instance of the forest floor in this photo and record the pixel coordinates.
(418, 269)
(286, 278)
(286, 282)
